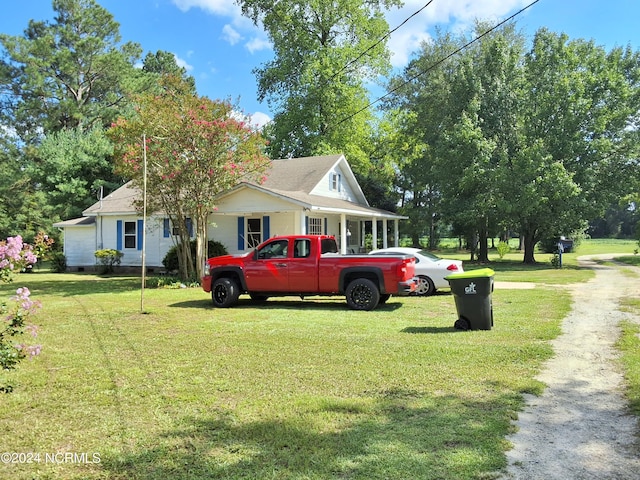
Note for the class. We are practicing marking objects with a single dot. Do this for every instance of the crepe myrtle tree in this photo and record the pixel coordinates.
(16, 256)
(195, 148)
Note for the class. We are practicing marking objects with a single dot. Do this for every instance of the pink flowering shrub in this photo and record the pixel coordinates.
(15, 256)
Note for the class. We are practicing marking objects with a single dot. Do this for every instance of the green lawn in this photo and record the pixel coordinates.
(289, 390)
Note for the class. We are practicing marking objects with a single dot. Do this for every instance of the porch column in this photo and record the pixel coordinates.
(302, 227)
(385, 243)
(374, 233)
(343, 234)
(396, 234)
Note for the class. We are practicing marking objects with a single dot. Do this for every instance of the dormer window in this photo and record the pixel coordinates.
(336, 179)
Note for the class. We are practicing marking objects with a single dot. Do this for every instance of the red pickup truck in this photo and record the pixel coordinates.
(306, 265)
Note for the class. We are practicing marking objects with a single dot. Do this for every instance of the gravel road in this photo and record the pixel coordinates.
(579, 428)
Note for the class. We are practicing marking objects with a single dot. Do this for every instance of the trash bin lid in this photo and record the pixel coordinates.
(480, 272)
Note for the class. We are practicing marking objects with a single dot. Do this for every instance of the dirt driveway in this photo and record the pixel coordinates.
(579, 428)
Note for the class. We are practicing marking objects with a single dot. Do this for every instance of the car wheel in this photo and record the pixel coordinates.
(425, 286)
(224, 292)
(362, 294)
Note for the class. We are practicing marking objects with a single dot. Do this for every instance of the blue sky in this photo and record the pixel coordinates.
(220, 48)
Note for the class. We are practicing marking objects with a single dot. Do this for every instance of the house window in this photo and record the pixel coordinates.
(315, 226)
(130, 235)
(254, 232)
(335, 182)
(171, 229)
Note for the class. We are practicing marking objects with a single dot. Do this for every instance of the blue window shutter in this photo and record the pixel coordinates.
(240, 233)
(189, 226)
(265, 228)
(119, 235)
(140, 233)
(325, 225)
(165, 227)
(306, 225)
(339, 182)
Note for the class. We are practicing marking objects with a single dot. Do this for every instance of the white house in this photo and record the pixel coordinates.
(315, 195)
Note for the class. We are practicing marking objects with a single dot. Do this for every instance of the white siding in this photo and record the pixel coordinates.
(224, 228)
(326, 186)
(156, 245)
(247, 200)
(79, 245)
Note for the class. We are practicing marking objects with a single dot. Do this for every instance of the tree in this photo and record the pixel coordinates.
(418, 108)
(541, 142)
(72, 166)
(460, 117)
(23, 207)
(164, 63)
(324, 51)
(196, 148)
(580, 111)
(68, 73)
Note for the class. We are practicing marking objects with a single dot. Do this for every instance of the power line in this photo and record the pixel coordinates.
(439, 62)
(383, 38)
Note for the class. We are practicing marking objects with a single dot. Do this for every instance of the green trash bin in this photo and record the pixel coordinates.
(472, 293)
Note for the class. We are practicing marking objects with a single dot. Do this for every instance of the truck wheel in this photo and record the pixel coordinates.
(224, 292)
(362, 294)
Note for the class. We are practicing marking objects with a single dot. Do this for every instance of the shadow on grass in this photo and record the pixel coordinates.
(68, 285)
(287, 303)
(390, 439)
(505, 265)
(423, 330)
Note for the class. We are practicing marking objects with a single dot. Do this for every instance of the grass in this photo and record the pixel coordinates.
(292, 389)
(629, 345)
(510, 267)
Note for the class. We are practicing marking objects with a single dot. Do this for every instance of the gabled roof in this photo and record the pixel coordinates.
(76, 222)
(316, 203)
(305, 174)
(290, 179)
(118, 201)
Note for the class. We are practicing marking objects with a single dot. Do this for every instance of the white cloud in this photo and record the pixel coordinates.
(259, 119)
(183, 63)
(227, 8)
(239, 27)
(257, 44)
(231, 35)
(453, 15)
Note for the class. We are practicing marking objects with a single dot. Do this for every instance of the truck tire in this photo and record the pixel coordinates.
(224, 292)
(362, 294)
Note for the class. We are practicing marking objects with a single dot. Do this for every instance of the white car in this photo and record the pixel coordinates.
(430, 269)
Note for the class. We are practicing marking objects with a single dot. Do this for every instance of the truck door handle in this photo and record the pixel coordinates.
(280, 265)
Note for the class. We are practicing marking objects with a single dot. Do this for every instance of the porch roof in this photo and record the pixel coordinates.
(317, 203)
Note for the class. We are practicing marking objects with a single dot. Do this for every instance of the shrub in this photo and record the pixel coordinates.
(214, 249)
(58, 262)
(107, 260)
(15, 256)
(503, 248)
